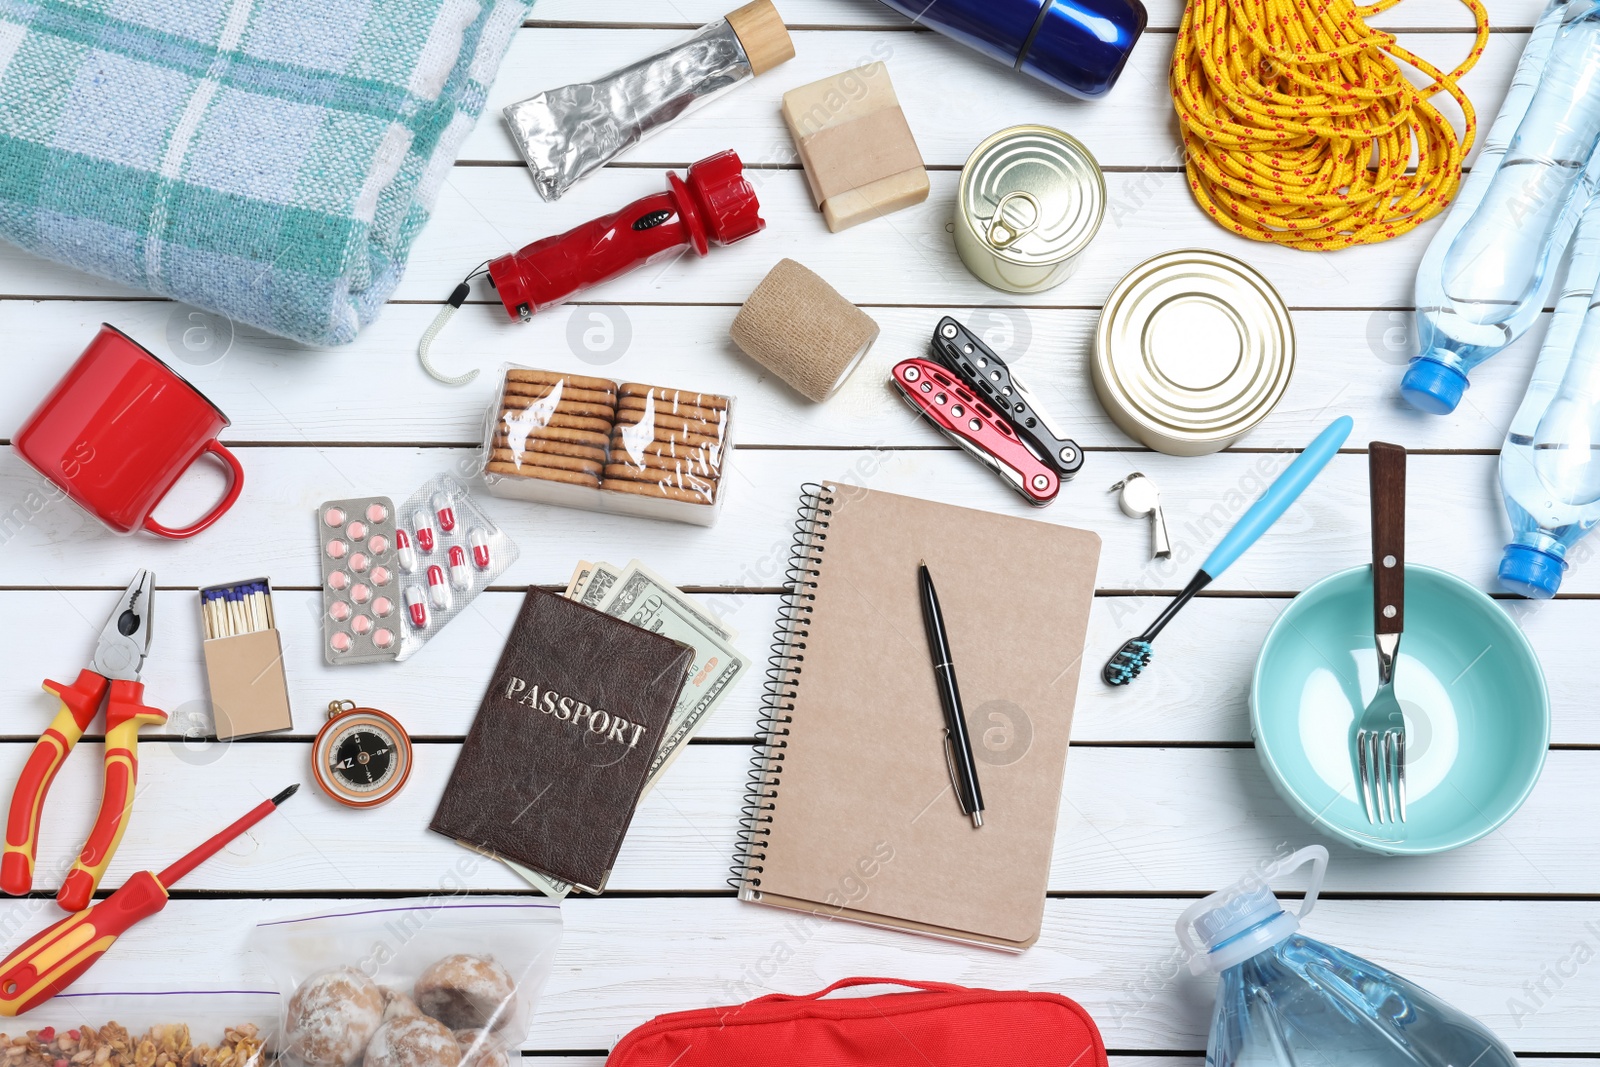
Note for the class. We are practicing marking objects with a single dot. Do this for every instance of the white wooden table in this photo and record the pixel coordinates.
(1164, 799)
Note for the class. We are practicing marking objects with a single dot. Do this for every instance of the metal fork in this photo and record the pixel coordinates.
(1378, 737)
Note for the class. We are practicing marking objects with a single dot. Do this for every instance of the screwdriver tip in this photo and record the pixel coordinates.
(286, 794)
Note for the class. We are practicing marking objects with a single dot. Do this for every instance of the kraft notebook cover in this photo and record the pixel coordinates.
(855, 816)
(554, 763)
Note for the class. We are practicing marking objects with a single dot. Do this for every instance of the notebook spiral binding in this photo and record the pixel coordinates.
(783, 673)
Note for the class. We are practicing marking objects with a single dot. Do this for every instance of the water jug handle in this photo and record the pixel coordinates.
(1317, 855)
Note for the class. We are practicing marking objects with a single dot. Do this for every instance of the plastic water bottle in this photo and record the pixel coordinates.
(1285, 999)
(1549, 472)
(1487, 271)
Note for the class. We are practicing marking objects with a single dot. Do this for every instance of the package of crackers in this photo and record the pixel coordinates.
(592, 443)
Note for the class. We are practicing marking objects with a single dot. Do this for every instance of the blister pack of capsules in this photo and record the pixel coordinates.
(360, 587)
(447, 551)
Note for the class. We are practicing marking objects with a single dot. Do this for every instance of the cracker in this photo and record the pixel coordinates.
(546, 474)
(551, 459)
(663, 436)
(668, 492)
(566, 405)
(671, 423)
(504, 451)
(671, 398)
(687, 411)
(593, 424)
(550, 377)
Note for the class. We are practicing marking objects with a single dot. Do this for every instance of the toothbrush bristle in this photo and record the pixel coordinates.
(1129, 660)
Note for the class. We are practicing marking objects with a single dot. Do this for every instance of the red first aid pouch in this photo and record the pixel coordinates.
(939, 1025)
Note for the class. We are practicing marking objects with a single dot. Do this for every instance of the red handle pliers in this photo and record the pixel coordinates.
(112, 676)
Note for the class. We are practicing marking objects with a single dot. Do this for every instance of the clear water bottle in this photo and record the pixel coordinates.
(1549, 472)
(1284, 999)
(1485, 275)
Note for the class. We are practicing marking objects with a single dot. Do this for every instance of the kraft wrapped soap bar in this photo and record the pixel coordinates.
(859, 156)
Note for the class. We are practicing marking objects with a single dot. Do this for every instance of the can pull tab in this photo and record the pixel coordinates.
(1002, 234)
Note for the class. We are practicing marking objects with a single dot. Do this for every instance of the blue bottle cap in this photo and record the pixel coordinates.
(1432, 386)
(1531, 572)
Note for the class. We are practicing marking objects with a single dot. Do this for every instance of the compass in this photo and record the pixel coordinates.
(362, 756)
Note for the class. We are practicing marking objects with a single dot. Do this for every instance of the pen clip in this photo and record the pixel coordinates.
(950, 761)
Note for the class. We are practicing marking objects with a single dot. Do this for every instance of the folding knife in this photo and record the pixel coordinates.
(960, 350)
(946, 402)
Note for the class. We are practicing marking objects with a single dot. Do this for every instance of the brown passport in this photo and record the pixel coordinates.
(557, 756)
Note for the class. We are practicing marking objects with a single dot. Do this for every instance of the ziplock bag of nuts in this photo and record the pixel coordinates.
(425, 982)
(145, 1028)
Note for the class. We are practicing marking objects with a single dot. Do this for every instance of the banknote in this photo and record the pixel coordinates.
(639, 596)
(579, 579)
(642, 598)
(602, 577)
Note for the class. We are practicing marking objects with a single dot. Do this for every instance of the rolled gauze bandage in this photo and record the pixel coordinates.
(799, 327)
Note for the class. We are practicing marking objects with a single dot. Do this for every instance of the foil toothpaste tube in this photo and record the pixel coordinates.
(567, 133)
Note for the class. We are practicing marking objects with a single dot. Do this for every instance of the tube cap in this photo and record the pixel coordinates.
(1531, 572)
(726, 198)
(761, 32)
(1432, 386)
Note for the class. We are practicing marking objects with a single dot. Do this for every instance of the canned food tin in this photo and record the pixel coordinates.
(1194, 348)
(1030, 201)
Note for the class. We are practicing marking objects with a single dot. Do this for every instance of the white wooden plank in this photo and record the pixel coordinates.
(1454, 521)
(952, 99)
(1164, 14)
(1195, 817)
(623, 961)
(904, 258)
(376, 391)
(1199, 693)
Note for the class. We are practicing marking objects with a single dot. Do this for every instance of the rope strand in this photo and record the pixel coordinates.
(1299, 126)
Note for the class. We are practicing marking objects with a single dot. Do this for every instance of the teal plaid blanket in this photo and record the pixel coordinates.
(269, 160)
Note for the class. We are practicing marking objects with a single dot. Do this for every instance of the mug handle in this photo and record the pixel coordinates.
(235, 484)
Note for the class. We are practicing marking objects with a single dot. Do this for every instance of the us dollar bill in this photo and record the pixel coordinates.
(579, 579)
(642, 598)
(598, 584)
(639, 596)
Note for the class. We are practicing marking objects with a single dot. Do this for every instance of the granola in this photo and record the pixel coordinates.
(113, 1046)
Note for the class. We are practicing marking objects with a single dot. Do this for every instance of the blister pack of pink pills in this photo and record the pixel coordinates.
(447, 551)
(361, 619)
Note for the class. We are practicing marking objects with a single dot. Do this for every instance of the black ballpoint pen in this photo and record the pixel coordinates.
(958, 745)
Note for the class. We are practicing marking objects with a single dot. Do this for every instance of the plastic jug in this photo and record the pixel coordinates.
(1549, 473)
(1284, 999)
(1486, 273)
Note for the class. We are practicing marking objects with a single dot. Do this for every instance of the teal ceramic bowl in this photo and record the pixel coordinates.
(1477, 713)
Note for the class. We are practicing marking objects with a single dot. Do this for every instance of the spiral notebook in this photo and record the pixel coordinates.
(850, 813)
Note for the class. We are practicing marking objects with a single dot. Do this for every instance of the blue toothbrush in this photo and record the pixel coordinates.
(1133, 656)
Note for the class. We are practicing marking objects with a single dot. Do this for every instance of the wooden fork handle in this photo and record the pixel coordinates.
(1386, 471)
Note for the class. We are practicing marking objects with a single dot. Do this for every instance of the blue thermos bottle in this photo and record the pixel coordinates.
(1078, 46)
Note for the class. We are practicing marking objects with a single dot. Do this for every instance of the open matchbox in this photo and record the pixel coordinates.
(249, 693)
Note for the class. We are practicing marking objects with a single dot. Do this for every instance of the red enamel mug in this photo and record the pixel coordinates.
(119, 430)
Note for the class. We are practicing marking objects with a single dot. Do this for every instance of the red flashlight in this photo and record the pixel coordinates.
(715, 205)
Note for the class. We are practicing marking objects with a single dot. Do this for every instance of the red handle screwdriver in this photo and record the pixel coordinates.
(54, 958)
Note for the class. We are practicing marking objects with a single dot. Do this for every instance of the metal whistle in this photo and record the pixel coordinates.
(1137, 498)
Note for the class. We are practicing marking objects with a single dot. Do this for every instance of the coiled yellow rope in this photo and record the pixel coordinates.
(1284, 106)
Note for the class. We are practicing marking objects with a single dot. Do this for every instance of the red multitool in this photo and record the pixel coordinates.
(112, 676)
(946, 401)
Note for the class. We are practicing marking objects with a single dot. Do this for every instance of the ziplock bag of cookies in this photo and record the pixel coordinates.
(418, 983)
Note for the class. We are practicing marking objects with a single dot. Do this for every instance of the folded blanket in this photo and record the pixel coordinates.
(269, 160)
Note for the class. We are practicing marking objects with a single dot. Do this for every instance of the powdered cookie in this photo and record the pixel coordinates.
(332, 1016)
(413, 1041)
(480, 1048)
(687, 411)
(592, 423)
(672, 398)
(581, 381)
(465, 992)
(670, 492)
